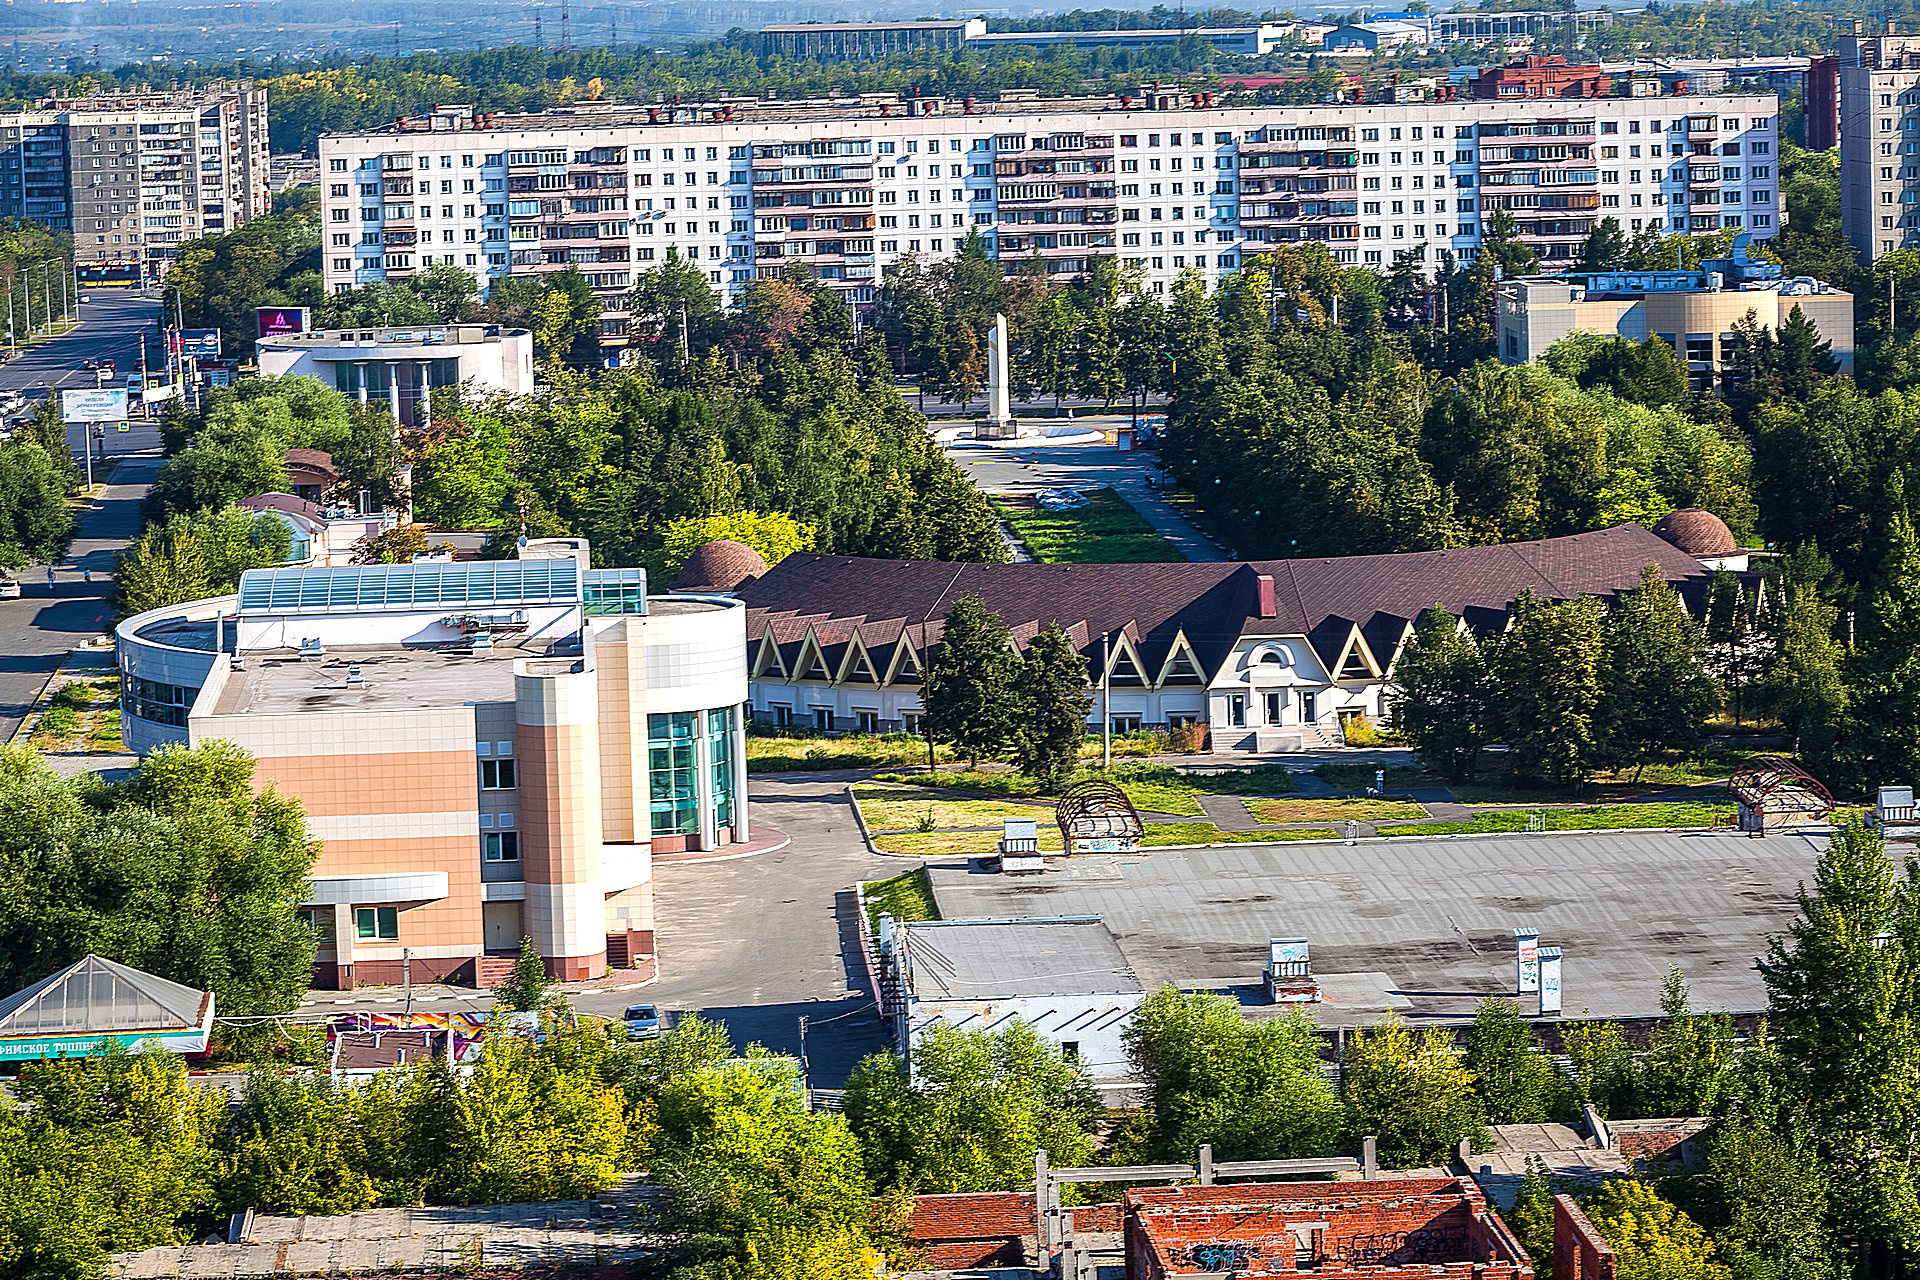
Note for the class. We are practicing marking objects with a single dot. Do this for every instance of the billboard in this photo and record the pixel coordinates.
(201, 344)
(104, 404)
(278, 322)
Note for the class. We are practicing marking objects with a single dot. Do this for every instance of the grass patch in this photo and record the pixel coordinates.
(1159, 788)
(1359, 777)
(1684, 813)
(907, 896)
(956, 844)
(1105, 531)
(790, 752)
(1165, 833)
(1335, 809)
(81, 715)
(901, 808)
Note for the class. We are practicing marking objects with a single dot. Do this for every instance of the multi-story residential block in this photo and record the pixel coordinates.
(1168, 182)
(485, 750)
(133, 176)
(1879, 89)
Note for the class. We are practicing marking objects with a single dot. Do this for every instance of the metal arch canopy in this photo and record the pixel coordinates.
(1096, 816)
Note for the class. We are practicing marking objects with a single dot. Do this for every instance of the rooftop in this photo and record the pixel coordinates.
(392, 679)
(988, 959)
(409, 587)
(1425, 926)
(411, 335)
(94, 994)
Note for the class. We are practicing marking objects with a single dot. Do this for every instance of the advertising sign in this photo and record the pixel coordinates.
(201, 344)
(1549, 980)
(278, 322)
(1526, 961)
(103, 404)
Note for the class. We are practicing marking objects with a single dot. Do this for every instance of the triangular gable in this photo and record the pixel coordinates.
(857, 659)
(1182, 662)
(905, 662)
(1124, 651)
(811, 661)
(1356, 660)
(767, 657)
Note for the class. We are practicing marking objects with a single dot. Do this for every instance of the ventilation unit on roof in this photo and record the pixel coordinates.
(355, 678)
(311, 650)
(482, 643)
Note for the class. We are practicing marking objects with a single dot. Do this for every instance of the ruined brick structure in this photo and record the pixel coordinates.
(1578, 1251)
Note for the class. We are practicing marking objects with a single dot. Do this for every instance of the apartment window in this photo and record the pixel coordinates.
(320, 920)
(376, 923)
(496, 775)
(500, 846)
(336, 166)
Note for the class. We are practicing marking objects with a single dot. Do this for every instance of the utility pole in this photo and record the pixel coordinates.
(406, 976)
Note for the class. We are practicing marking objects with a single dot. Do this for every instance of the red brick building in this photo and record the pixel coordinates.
(1435, 1228)
(1543, 77)
(1578, 1251)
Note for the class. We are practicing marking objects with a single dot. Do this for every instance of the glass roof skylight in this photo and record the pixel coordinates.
(402, 587)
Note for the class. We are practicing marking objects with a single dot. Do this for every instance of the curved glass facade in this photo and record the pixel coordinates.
(673, 793)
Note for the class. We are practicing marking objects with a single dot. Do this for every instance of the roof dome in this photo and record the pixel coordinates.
(1697, 532)
(720, 566)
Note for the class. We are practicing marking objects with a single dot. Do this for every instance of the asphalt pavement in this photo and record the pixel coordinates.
(113, 324)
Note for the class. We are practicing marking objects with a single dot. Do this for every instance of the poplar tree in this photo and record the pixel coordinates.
(1547, 669)
(969, 683)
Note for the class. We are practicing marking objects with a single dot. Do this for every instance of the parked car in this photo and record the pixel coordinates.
(89, 363)
(9, 589)
(643, 1021)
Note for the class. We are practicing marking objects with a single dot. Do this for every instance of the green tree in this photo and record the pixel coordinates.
(1689, 1069)
(1050, 706)
(193, 555)
(1841, 1006)
(1606, 246)
(1772, 1195)
(1600, 1068)
(1442, 696)
(1255, 1090)
(35, 523)
(298, 1148)
(969, 682)
(1651, 1238)
(1804, 684)
(775, 535)
(1532, 1218)
(1515, 1079)
(1655, 693)
(526, 987)
(971, 1110)
(1546, 670)
(566, 321)
(1414, 1093)
(1883, 675)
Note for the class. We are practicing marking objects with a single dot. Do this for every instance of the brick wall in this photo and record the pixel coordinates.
(1578, 1251)
(981, 1229)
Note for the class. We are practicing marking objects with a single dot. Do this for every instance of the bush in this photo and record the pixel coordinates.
(1359, 731)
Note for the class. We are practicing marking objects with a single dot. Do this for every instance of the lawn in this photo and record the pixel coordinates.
(1335, 809)
(1105, 531)
(904, 808)
(1157, 788)
(1359, 777)
(82, 715)
(956, 844)
(907, 896)
(1687, 813)
(1165, 833)
(789, 752)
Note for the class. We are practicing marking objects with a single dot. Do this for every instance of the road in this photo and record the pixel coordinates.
(113, 324)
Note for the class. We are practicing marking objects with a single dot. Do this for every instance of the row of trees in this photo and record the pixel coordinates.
(1570, 687)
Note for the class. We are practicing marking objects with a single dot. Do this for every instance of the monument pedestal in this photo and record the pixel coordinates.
(996, 429)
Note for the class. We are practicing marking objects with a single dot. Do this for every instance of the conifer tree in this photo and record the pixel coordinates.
(969, 682)
(1050, 707)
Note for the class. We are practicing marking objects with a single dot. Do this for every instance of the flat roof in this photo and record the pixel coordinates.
(392, 679)
(1424, 927)
(989, 959)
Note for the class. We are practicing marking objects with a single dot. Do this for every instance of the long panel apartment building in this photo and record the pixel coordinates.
(1169, 182)
(133, 176)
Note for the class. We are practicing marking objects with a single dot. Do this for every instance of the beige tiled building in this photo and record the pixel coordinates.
(486, 751)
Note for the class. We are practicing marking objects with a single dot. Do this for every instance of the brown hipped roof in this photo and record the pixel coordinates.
(1213, 604)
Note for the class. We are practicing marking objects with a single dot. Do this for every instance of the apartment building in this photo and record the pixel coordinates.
(1879, 95)
(133, 176)
(1169, 182)
(485, 750)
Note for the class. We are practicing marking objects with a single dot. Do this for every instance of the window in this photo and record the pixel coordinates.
(376, 923)
(500, 846)
(823, 716)
(671, 790)
(320, 920)
(496, 775)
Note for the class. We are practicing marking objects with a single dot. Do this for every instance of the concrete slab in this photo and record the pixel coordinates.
(1434, 917)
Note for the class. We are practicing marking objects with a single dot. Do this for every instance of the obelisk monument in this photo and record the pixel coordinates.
(998, 424)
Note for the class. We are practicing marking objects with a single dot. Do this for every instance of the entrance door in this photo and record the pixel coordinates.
(1276, 703)
(1309, 707)
(500, 922)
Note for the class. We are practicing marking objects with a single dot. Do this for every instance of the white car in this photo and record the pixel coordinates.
(9, 589)
(643, 1021)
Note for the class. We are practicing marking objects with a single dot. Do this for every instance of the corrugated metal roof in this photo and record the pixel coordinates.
(989, 959)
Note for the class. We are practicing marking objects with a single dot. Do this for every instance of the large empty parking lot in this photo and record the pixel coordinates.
(1426, 926)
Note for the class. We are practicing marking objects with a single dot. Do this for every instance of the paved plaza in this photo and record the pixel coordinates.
(1424, 927)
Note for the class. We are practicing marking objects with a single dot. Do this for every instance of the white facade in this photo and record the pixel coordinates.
(1879, 121)
(1166, 181)
(400, 366)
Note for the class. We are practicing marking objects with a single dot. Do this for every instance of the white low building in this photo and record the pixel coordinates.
(401, 367)
(1066, 978)
(1264, 655)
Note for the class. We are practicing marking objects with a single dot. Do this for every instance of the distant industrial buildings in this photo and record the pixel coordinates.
(1692, 311)
(133, 176)
(855, 41)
